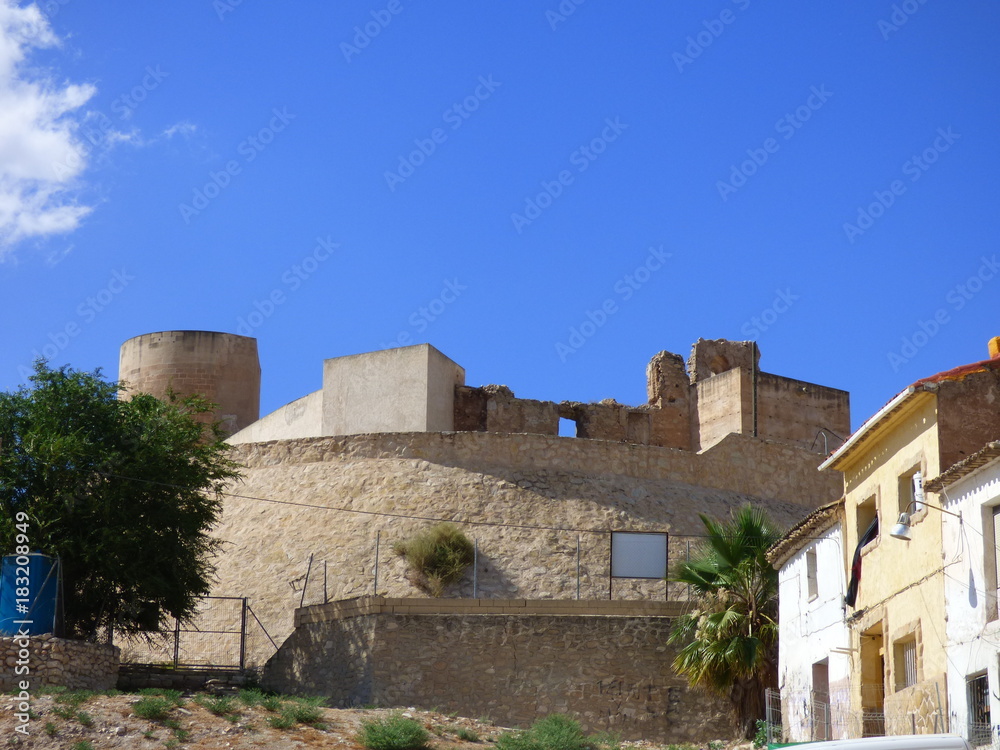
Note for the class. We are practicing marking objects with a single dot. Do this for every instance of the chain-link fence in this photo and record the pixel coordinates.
(513, 563)
(220, 635)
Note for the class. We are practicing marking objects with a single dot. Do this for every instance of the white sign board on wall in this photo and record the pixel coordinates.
(638, 555)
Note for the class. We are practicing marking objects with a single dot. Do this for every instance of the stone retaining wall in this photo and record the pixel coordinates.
(605, 662)
(340, 497)
(133, 677)
(51, 661)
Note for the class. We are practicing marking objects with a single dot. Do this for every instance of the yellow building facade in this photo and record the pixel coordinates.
(897, 623)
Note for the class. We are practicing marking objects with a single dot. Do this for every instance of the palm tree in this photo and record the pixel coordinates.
(730, 636)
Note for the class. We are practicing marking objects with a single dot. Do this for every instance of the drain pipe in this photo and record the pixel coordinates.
(753, 365)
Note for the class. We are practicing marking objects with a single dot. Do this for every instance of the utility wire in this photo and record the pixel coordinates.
(388, 514)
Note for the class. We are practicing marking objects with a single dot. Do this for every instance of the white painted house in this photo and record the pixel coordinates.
(813, 638)
(970, 560)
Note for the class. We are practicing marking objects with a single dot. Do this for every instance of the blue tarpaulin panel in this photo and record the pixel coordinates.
(27, 594)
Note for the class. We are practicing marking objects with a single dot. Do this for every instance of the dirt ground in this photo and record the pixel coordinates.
(108, 721)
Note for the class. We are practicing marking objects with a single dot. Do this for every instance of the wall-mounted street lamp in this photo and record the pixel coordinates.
(902, 528)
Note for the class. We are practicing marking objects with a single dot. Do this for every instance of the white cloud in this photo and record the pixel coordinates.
(41, 154)
(183, 127)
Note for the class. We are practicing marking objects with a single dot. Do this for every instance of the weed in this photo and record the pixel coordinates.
(393, 732)
(74, 699)
(303, 713)
(251, 697)
(553, 732)
(221, 706)
(82, 745)
(611, 741)
(760, 738)
(64, 712)
(174, 696)
(172, 743)
(437, 556)
(50, 729)
(84, 718)
(467, 735)
(310, 700)
(271, 703)
(153, 707)
(281, 721)
(149, 734)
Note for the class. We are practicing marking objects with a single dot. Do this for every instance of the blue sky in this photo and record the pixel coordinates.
(549, 193)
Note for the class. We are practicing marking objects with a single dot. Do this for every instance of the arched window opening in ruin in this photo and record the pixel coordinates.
(718, 364)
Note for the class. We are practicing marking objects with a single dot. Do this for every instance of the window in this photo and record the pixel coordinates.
(978, 692)
(911, 490)
(992, 544)
(811, 585)
(867, 514)
(991, 560)
(905, 662)
(638, 555)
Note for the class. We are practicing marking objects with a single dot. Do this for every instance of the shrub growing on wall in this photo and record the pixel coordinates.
(438, 557)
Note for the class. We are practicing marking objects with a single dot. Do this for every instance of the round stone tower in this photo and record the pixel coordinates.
(222, 367)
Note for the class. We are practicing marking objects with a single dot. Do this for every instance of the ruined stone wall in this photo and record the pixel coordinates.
(794, 411)
(52, 662)
(670, 402)
(500, 489)
(710, 357)
(417, 388)
(723, 407)
(968, 414)
(788, 410)
(606, 663)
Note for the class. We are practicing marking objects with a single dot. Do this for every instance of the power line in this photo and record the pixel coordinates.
(369, 512)
(387, 514)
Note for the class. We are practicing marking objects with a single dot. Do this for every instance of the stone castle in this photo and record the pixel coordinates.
(395, 440)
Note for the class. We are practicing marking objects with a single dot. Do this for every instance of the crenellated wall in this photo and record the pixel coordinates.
(688, 408)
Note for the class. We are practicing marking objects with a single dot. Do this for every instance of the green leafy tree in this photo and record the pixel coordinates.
(123, 492)
(729, 639)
